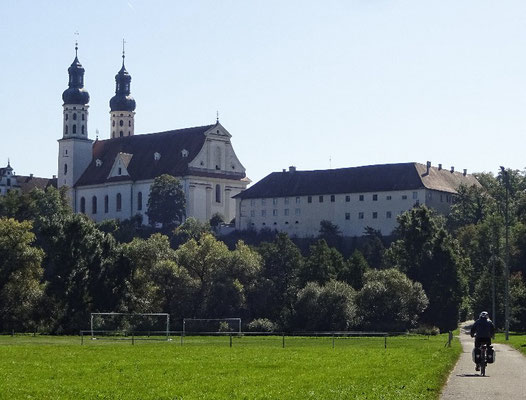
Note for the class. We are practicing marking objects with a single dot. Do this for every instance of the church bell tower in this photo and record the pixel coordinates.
(122, 105)
(75, 148)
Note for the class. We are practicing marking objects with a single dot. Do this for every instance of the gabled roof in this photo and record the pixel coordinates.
(28, 183)
(141, 149)
(366, 179)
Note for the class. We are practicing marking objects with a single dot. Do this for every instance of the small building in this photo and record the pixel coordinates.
(373, 196)
(24, 184)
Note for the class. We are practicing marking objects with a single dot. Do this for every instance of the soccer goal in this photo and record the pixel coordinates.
(140, 325)
(211, 325)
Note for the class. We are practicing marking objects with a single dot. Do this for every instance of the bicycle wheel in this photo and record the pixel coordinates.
(483, 361)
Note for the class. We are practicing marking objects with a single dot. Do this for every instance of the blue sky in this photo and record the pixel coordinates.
(315, 84)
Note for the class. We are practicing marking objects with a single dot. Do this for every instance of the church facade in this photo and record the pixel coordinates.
(111, 178)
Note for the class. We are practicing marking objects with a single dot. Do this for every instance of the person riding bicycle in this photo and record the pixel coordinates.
(483, 330)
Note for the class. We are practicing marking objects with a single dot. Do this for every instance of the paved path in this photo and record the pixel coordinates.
(505, 379)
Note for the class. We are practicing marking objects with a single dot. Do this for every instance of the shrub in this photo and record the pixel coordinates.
(262, 325)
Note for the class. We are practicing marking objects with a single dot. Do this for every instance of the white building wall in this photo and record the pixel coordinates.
(200, 199)
(352, 212)
(126, 127)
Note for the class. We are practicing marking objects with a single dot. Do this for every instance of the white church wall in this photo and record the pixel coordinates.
(200, 199)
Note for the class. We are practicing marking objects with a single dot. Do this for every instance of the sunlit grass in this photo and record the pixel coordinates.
(516, 340)
(41, 367)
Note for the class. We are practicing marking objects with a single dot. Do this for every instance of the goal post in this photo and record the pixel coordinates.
(211, 325)
(130, 323)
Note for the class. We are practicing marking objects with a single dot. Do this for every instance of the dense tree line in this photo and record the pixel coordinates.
(56, 267)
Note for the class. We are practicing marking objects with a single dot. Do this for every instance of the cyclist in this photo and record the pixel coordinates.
(483, 330)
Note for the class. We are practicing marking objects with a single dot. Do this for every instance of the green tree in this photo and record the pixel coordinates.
(223, 278)
(373, 247)
(145, 262)
(330, 233)
(473, 204)
(278, 286)
(20, 276)
(191, 228)
(216, 220)
(322, 264)
(390, 301)
(429, 255)
(354, 270)
(482, 293)
(518, 302)
(81, 273)
(328, 307)
(166, 203)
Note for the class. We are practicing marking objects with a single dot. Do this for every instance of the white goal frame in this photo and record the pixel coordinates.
(238, 320)
(133, 315)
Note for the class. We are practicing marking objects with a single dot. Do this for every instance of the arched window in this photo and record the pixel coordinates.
(139, 201)
(65, 169)
(129, 123)
(74, 116)
(83, 205)
(121, 122)
(106, 204)
(83, 117)
(118, 206)
(74, 128)
(218, 194)
(113, 123)
(66, 129)
(82, 129)
(94, 205)
(121, 133)
(67, 115)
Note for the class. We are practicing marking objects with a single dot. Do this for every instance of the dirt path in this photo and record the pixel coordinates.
(505, 379)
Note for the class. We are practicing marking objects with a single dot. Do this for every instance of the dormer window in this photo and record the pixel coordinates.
(120, 171)
(184, 153)
(98, 162)
(156, 156)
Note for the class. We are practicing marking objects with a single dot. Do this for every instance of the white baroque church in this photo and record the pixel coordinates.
(111, 178)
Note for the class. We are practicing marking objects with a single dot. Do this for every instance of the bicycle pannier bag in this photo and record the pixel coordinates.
(490, 355)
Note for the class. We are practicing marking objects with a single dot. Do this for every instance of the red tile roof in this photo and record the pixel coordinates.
(142, 165)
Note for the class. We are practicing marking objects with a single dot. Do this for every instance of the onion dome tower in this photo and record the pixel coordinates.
(76, 100)
(122, 105)
(75, 148)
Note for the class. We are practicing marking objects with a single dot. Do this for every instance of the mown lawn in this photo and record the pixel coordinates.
(413, 367)
(516, 340)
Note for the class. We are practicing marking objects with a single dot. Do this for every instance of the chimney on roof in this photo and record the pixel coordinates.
(428, 165)
(31, 175)
(465, 172)
(284, 170)
(452, 169)
(440, 167)
(292, 168)
(54, 177)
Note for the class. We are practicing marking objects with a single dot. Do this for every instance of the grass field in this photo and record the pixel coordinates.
(413, 367)
(517, 340)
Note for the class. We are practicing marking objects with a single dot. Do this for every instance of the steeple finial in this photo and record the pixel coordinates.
(76, 43)
(123, 51)
(217, 116)
(8, 163)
